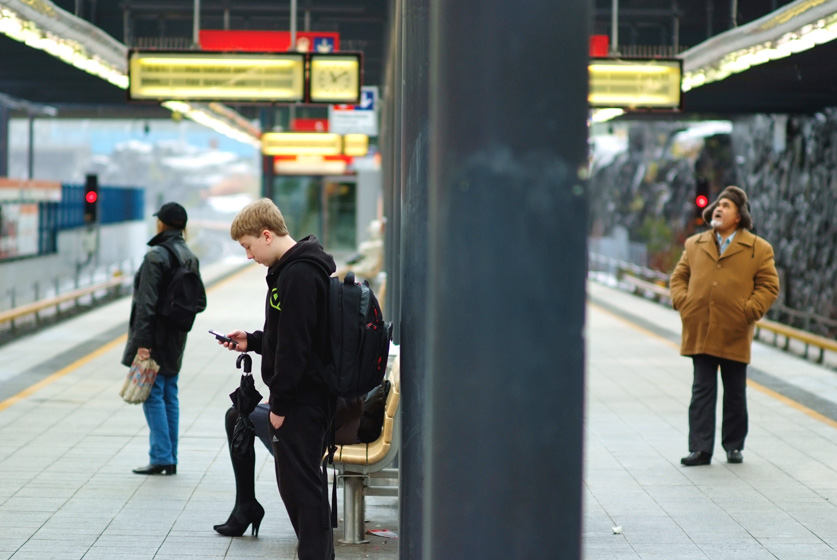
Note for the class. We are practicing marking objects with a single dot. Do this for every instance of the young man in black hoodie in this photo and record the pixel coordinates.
(292, 344)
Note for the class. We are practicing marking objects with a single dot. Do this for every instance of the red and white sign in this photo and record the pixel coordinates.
(309, 125)
(268, 41)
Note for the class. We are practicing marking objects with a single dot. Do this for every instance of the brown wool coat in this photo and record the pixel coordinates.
(721, 298)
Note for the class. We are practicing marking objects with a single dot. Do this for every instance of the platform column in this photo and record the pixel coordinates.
(506, 279)
(414, 132)
(4, 140)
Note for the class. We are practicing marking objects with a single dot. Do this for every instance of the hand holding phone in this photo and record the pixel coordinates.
(223, 337)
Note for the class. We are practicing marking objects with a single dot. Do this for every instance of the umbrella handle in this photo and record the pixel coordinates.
(248, 363)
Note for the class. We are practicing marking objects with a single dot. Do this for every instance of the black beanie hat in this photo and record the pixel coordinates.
(737, 196)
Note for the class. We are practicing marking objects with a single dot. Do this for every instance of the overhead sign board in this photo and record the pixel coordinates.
(268, 41)
(205, 76)
(356, 119)
(355, 144)
(301, 143)
(311, 165)
(334, 78)
(313, 143)
(635, 84)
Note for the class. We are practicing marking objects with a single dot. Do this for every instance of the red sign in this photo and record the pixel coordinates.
(268, 41)
(599, 45)
(309, 125)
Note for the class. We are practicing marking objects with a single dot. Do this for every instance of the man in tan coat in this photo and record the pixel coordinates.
(725, 281)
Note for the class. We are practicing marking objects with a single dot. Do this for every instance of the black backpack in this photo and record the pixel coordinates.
(183, 297)
(358, 338)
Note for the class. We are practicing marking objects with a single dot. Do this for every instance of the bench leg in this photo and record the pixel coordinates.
(354, 509)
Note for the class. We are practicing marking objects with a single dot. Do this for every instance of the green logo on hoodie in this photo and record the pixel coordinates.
(274, 300)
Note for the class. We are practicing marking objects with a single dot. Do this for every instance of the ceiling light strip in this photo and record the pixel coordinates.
(796, 27)
(44, 26)
(202, 114)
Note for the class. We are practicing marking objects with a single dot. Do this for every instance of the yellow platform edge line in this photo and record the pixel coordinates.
(62, 372)
(93, 355)
(754, 385)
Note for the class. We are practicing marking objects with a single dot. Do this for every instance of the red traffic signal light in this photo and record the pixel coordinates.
(701, 201)
(91, 199)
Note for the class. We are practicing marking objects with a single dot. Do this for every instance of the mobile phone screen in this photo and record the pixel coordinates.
(223, 337)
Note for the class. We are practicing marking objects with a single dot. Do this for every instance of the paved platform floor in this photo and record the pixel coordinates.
(68, 444)
(640, 503)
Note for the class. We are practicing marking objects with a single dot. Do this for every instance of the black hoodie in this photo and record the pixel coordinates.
(295, 326)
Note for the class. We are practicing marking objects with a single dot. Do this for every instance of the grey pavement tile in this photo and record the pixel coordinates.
(693, 507)
(733, 535)
(118, 554)
(599, 554)
(38, 555)
(642, 529)
(10, 543)
(787, 551)
(736, 551)
(707, 522)
(687, 551)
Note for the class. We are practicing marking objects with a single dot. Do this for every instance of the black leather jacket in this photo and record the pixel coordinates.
(144, 331)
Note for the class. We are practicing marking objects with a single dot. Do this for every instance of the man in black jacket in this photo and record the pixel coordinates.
(149, 335)
(292, 343)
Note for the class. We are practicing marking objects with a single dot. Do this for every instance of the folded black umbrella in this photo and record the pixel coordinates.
(244, 399)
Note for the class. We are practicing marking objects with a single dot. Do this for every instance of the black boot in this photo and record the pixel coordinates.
(247, 509)
(242, 516)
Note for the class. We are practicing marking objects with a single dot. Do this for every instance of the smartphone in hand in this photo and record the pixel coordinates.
(223, 337)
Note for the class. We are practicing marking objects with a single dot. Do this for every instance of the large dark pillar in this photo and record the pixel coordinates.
(267, 119)
(394, 273)
(414, 133)
(4, 140)
(506, 284)
(390, 158)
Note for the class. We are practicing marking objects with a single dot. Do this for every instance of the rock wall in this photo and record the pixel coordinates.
(786, 164)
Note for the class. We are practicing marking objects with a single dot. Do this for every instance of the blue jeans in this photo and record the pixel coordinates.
(162, 412)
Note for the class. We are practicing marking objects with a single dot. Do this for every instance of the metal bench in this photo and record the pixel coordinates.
(358, 463)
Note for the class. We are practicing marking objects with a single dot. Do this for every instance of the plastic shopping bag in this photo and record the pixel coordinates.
(140, 378)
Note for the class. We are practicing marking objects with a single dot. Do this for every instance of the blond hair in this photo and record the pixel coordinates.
(256, 217)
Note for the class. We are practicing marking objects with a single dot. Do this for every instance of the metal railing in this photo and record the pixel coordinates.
(50, 299)
(653, 284)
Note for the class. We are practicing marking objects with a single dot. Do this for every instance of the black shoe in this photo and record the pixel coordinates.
(696, 458)
(241, 517)
(156, 469)
(734, 456)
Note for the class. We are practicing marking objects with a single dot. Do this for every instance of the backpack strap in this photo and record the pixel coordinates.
(174, 262)
(173, 254)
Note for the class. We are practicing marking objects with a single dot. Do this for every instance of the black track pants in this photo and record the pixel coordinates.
(298, 448)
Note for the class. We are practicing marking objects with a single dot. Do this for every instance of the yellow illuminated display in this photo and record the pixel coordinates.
(355, 144)
(335, 79)
(648, 84)
(217, 76)
(301, 143)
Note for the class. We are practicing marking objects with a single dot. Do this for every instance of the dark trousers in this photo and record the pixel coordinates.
(704, 399)
(298, 449)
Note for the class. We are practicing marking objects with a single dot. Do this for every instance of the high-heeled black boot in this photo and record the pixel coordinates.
(242, 517)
